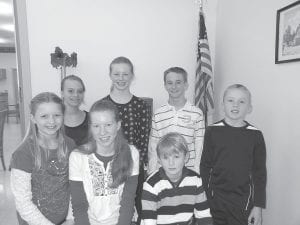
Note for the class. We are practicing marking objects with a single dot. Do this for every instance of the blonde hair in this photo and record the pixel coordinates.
(120, 60)
(237, 86)
(71, 77)
(33, 133)
(171, 143)
(122, 161)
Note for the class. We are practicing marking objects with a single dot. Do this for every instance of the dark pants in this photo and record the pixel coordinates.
(224, 213)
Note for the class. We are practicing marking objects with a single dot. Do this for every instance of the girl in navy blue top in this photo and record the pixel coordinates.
(75, 119)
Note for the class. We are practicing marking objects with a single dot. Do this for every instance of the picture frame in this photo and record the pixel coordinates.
(287, 47)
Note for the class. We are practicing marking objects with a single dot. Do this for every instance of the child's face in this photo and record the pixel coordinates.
(48, 118)
(72, 93)
(236, 104)
(104, 128)
(121, 76)
(173, 163)
(175, 85)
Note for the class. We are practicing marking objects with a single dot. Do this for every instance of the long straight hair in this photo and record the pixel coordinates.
(33, 133)
(122, 160)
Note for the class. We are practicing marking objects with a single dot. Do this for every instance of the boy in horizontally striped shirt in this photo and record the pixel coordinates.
(174, 195)
(178, 115)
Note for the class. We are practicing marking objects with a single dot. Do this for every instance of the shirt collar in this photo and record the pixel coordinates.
(164, 176)
(186, 106)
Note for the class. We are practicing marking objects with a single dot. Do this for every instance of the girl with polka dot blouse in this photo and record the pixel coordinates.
(133, 112)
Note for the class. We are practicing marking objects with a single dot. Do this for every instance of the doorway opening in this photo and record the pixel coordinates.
(11, 106)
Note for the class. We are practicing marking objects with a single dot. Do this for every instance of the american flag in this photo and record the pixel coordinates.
(204, 74)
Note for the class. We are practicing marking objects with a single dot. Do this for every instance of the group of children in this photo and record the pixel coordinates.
(78, 167)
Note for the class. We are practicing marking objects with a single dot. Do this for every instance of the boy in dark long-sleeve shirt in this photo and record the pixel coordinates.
(233, 164)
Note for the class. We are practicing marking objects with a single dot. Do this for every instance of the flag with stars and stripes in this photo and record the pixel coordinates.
(204, 73)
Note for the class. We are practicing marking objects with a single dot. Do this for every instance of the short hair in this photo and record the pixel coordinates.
(178, 70)
(119, 60)
(71, 77)
(172, 142)
(237, 86)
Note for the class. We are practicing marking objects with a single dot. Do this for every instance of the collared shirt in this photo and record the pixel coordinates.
(188, 121)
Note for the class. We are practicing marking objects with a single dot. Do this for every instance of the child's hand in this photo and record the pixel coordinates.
(255, 217)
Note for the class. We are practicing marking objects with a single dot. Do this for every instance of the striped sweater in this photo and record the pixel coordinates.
(188, 121)
(166, 203)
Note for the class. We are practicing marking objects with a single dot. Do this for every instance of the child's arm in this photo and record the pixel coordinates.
(21, 189)
(127, 201)
(149, 205)
(153, 140)
(129, 191)
(206, 159)
(259, 181)
(259, 173)
(149, 222)
(201, 211)
(198, 138)
(80, 204)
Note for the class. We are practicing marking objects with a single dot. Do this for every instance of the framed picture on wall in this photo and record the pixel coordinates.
(287, 47)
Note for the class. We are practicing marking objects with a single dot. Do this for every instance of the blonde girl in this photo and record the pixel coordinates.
(104, 172)
(75, 119)
(39, 166)
(134, 113)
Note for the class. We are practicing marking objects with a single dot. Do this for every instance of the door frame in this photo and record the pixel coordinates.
(23, 61)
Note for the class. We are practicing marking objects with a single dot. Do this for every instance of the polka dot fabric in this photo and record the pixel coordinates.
(135, 118)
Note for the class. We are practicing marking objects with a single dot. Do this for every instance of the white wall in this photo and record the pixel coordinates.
(157, 34)
(245, 46)
(153, 34)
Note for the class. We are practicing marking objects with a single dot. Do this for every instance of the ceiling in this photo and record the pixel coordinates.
(7, 27)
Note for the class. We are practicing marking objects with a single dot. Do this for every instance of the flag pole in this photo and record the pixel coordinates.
(205, 109)
(205, 102)
(204, 74)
